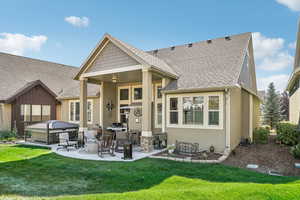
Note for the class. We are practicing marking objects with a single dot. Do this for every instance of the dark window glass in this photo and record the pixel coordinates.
(173, 103)
(138, 93)
(159, 95)
(124, 94)
(77, 111)
(213, 117)
(173, 117)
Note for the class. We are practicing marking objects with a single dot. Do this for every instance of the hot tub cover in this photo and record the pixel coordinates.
(53, 124)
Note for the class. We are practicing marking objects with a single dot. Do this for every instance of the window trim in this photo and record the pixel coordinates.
(92, 111)
(157, 101)
(205, 115)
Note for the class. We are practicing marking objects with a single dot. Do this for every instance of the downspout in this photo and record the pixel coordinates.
(227, 129)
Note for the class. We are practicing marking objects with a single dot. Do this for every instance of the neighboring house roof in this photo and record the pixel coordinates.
(28, 86)
(139, 55)
(17, 73)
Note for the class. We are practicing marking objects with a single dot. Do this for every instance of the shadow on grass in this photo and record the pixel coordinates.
(53, 175)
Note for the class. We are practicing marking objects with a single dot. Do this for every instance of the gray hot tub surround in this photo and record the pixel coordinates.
(47, 132)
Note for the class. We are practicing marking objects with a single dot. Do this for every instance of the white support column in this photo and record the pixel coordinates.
(83, 104)
(251, 117)
(165, 82)
(101, 104)
(146, 140)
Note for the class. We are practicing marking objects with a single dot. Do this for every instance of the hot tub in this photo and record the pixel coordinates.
(48, 132)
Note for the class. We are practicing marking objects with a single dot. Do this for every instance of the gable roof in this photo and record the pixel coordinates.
(139, 55)
(28, 86)
(216, 63)
(17, 73)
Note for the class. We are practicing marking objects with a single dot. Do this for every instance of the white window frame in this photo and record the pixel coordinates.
(205, 116)
(157, 101)
(92, 111)
(120, 102)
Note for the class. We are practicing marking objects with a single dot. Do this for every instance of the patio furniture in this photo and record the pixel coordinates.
(65, 142)
(186, 148)
(90, 141)
(127, 150)
(121, 138)
(135, 137)
(106, 145)
(160, 140)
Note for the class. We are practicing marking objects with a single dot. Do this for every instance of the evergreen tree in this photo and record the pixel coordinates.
(284, 106)
(272, 107)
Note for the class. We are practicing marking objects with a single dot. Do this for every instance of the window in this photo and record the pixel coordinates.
(158, 92)
(36, 113)
(89, 111)
(213, 110)
(159, 113)
(137, 93)
(173, 110)
(26, 112)
(46, 110)
(124, 94)
(123, 113)
(193, 110)
(74, 112)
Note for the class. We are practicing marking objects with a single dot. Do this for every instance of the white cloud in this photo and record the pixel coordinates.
(292, 45)
(280, 82)
(19, 43)
(78, 21)
(271, 53)
(291, 4)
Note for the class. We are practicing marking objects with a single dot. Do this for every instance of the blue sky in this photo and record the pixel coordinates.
(66, 31)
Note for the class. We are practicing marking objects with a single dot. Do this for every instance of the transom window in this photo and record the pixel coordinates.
(137, 93)
(124, 94)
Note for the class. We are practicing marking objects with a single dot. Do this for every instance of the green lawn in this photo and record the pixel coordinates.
(35, 173)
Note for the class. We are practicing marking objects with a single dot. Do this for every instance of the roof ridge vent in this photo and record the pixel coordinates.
(227, 38)
(172, 48)
(209, 41)
(190, 44)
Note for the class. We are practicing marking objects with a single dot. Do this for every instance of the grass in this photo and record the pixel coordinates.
(35, 173)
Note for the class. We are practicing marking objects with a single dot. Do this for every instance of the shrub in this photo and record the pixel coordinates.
(295, 151)
(287, 133)
(260, 135)
(7, 135)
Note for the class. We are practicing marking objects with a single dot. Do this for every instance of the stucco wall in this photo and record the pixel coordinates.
(295, 107)
(245, 114)
(5, 124)
(109, 94)
(235, 117)
(205, 137)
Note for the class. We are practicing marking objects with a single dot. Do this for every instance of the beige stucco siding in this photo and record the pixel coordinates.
(245, 114)
(204, 137)
(111, 57)
(235, 117)
(295, 107)
(65, 110)
(5, 123)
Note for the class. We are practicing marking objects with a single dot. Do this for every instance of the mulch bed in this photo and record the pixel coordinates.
(269, 156)
(199, 156)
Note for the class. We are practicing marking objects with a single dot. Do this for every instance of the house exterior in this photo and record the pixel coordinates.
(293, 86)
(29, 91)
(202, 92)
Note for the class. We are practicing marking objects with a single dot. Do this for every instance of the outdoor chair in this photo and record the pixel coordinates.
(106, 145)
(65, 142)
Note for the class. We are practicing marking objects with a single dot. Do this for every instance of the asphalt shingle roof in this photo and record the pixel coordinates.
(16, 72)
